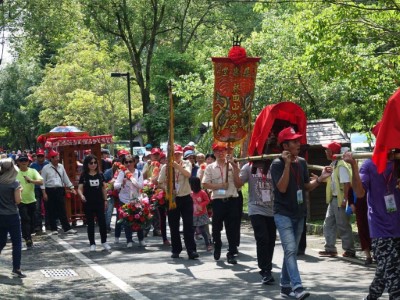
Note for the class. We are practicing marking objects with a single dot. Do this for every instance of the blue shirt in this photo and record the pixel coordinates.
(38, 167)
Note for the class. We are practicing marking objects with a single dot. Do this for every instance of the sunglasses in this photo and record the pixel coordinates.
(23, 160)
(128, 162)
(93, 163)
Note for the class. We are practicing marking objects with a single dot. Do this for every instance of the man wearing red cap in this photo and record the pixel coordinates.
(336, 219)
(184, 205)
(383, 200)
(222, 178)
(290, 181)
(54, 180)
(38, 166)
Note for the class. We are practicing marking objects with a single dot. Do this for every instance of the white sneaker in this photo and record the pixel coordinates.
(92, 247)
(106, 246)
(71, 231)
(55, 232)
(142, 244)
(116, 241)
(129, 245)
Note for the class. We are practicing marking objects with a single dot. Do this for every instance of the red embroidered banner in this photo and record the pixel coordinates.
(233, 97)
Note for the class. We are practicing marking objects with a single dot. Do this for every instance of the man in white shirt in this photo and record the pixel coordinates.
(222, 177)
(54, 180)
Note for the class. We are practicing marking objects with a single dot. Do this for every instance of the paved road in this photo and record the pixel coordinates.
(150, 273)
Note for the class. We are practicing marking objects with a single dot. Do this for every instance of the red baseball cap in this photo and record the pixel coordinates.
(88, 151)
(219, 146)
(122, 152)
(178, 149)
(288, 134)
(162, 155)
(375, 129)
(156, 151)
(333, 146)
(52, 154)
(39, 152)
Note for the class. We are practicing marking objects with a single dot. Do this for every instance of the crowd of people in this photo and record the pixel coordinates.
(276, 202)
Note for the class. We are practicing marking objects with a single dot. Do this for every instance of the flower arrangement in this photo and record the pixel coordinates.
(137, 214)
(148, 188)
(158, 198)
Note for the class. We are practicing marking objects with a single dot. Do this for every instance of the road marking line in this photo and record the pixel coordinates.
(126, 288)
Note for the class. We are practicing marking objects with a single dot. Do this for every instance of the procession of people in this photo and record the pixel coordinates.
(174, 187)
(276, 202)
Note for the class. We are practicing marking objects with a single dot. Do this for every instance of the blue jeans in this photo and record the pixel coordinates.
(128, 231)
(290, 230)
(11, 224)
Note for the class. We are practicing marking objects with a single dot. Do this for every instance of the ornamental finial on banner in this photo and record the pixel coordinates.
(237, 41)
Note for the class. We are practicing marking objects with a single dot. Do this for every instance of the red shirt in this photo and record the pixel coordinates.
(200, 201)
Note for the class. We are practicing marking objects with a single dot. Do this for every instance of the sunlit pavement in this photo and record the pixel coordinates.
(150, 273)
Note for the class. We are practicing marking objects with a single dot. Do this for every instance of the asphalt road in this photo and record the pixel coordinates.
(150, 273)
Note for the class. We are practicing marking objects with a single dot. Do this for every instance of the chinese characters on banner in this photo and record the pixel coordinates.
(233, 96)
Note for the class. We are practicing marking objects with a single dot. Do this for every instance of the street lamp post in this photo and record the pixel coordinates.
(128, 80)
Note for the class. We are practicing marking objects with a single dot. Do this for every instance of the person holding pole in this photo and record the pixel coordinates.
(290, 181)
(383, 200)
(222, 178)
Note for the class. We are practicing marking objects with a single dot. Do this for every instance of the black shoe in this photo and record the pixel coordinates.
(18, 273)
(301, 294)
(29, 244)
(286, 292)
(368, 261)
(266, 277)
(231, 259)
(193, 255)
(175, 255)
(217, 252)
(156, 233)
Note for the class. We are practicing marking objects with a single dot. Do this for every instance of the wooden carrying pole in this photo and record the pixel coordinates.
(170, 163)
(273, 156)
(360, 155)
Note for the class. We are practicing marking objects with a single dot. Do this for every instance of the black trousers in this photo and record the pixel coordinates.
(239, 220)
(56, 208)
(184, 209)
(225, 212)
(27, 214)
(38, 213)
(265, 235)
(90, 212)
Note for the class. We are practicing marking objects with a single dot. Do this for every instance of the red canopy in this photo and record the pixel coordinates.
(287, 111)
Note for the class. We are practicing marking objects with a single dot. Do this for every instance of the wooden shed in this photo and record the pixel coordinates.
(321, 132)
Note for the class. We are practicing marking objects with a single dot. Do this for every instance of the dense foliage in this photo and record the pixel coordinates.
(336, 59)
